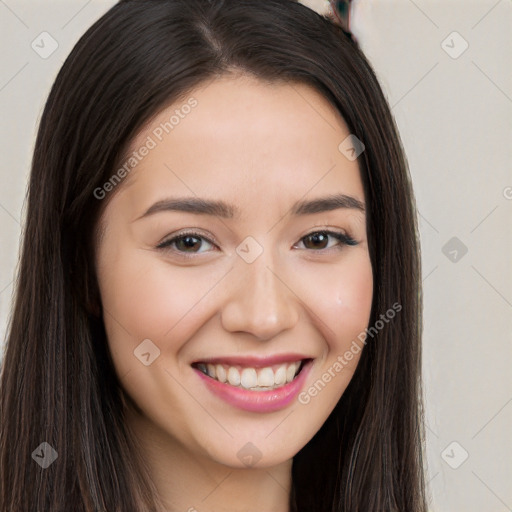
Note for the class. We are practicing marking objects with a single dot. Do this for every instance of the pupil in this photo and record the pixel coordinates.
(318, 238)
(188, 242)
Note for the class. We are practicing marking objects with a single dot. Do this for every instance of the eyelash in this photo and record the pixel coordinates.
(345, 239)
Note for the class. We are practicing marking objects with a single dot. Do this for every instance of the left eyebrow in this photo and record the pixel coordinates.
(222, 209)
(324, 204)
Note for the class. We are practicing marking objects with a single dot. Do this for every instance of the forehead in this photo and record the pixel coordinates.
(239, 136)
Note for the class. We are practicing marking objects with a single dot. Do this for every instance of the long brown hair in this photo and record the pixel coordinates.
(58, 384)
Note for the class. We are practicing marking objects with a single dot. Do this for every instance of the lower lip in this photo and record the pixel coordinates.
(257, 401)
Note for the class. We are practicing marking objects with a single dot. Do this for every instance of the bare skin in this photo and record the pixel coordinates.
(260, 148)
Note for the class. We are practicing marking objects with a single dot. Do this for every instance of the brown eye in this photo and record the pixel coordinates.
(185, 243)
(319, 240)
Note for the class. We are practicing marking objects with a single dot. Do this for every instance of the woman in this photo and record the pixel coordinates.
(277, 367)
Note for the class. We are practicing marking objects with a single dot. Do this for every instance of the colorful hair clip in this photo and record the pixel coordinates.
(338, 11)
(340, 14)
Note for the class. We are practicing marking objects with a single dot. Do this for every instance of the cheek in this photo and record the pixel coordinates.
(341, 304)
(343, 299)
(146, 298)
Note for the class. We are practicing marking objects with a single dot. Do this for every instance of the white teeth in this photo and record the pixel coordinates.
(266, 377)
(290, 372)
(211, 370)
(234, 376)
(221, 373)
(280, 375)
(259, 379)
(249, 378)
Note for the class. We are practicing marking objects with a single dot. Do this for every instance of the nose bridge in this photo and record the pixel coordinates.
(259, 302)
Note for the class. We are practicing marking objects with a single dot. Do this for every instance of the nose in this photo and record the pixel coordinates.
(260, 301)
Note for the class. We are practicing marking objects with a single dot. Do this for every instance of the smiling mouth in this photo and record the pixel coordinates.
(253, 379)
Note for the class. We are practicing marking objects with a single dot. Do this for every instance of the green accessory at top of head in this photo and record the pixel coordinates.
(340, 13)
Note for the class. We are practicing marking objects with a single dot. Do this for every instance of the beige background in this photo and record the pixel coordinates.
(454, 111)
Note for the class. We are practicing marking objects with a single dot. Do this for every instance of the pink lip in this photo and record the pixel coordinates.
(257, 401)
(255, 361)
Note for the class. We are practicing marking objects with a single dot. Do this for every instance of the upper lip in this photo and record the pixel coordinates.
(254, 361)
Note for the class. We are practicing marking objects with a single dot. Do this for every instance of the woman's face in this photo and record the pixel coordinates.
(215, 258)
